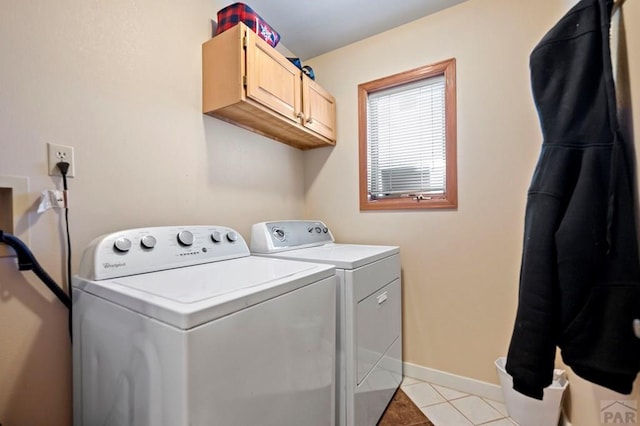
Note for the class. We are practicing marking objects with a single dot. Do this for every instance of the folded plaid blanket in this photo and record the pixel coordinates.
(240, 12)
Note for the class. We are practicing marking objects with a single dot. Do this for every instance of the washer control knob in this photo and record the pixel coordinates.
(318, 229)
(310, 229)
(232, 236)
(216, 237)
(278, 234)
(185, 238)
(325, 230)
(148, 241)
(122, 244)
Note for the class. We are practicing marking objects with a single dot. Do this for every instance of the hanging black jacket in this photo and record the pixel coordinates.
(580, 273)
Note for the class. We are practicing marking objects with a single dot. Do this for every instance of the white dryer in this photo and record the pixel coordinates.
(181, 326)
(369, 322)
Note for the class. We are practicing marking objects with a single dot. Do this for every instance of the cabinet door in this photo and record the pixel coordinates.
(272, 80)
(319, 109)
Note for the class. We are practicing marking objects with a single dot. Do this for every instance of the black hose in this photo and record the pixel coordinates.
(28, 262)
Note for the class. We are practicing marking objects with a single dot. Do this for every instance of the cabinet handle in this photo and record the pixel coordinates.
(310, 121)
(382, 298)
(300, 116)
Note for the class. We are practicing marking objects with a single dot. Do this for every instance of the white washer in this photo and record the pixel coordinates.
(369, 323)
(177, 326)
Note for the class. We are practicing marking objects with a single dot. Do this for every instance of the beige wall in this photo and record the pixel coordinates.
(120, 81)
(460, 268)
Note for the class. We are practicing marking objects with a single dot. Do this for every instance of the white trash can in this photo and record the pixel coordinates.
(527, 411)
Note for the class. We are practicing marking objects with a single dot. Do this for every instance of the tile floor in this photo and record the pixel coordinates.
(448, 407)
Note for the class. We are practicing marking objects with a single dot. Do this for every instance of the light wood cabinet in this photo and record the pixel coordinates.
(247, 82)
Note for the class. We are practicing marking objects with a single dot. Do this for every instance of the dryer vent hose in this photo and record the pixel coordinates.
(28, 262)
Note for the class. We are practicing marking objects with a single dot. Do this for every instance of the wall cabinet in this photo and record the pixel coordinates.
(247, 82)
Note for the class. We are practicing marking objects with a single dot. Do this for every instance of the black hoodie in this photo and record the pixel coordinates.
(580, 273)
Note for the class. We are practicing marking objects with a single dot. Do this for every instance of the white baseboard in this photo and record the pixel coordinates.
(453, 381)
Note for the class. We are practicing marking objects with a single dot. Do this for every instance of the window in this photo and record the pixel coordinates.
(408, 140)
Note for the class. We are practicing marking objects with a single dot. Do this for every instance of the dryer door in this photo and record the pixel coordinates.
(378, 325)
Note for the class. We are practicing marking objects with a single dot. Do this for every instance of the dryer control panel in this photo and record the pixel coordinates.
(142, 250)
(272, 237)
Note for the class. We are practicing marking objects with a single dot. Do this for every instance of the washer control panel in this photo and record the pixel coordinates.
(142, 250)
(272, 237)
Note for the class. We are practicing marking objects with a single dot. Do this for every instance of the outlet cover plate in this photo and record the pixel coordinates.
(59, 153)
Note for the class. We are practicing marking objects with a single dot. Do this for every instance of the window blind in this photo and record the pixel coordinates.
(407, 140)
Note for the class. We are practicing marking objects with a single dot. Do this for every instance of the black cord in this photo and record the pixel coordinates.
(63, 166)
(66, 219)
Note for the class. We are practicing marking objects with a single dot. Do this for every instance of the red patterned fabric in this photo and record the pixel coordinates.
(240, 12)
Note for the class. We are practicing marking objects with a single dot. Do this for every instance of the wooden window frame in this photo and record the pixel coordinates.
(449, 200)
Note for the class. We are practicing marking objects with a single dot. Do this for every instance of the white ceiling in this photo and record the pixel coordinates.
(310, 28)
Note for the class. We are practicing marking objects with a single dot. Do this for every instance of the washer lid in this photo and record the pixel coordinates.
(191, 296)
(343, 256)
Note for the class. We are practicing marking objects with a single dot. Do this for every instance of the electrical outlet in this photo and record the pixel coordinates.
(58, 153)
